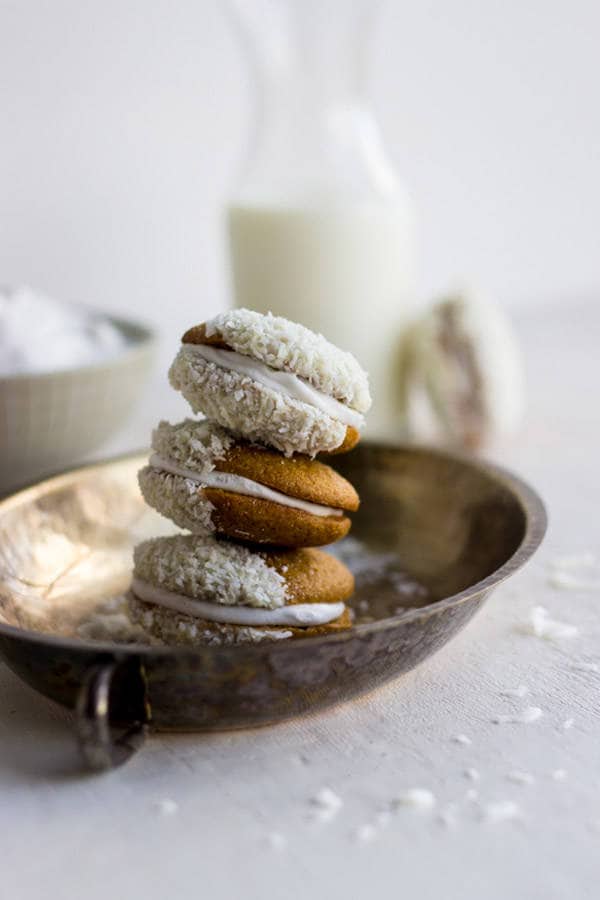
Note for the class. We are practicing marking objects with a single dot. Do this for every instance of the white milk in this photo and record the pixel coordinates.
(345, 271)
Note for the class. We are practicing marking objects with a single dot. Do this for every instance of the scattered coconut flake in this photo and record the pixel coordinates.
(472, 774)
(472, 795)
(110, 621)
(462, 739)
(166, 807)
(417, 798)
(567, 724)
(276, 841)
(518, 777)
(365, 834)
(370, 567)
(529, 714)
(502, 811)
(559, 775)
(327, 803)
(519, 691)
(542, 626)
(585, 667)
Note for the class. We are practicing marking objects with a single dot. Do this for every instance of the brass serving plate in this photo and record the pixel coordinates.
(457, 527)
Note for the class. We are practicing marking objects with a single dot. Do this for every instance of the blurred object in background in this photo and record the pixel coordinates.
(69, 378)
(462, 376)
(321, 229)
(38, 334)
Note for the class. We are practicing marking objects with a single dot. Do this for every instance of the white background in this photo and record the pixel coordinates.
(122, 125)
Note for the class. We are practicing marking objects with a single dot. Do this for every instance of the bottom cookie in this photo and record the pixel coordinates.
(190, 589)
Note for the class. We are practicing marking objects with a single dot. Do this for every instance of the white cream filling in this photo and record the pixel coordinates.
(302, 615)
(283, 382)
(240, 485)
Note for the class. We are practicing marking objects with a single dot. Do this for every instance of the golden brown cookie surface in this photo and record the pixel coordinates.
(261, 521)
(350, 440)
(197, 335)
(244, 491)
(297, 476)
(312, 576)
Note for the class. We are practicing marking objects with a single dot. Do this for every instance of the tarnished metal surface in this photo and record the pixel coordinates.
(456, 526)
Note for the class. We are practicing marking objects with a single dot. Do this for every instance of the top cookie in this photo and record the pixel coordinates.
(273, 381)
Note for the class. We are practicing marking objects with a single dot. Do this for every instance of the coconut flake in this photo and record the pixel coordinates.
(518, 777)
(586, 667)
(542, 626)
(327, 805)
(416, 798)
(200, 567)
(559, 775)
(462, 739)
(262, 415)
(519, 691)
(472, 774)
(289, 346)
(502, 811)
(529, 714)
(192, 444)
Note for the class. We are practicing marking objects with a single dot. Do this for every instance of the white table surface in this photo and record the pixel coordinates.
(73, 836)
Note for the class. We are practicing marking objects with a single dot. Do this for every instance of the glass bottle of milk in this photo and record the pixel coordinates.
(320, 228)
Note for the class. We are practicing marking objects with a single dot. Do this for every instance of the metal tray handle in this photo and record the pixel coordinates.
(112, 714)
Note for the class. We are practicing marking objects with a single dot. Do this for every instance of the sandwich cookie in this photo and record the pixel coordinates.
(273, 381)
(199, 590)
(207, 481)
(462, 378)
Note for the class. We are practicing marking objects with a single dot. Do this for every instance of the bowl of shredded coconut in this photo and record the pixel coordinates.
(69, 378)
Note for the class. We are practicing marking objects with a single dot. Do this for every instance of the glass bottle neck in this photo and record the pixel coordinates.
(314, 136)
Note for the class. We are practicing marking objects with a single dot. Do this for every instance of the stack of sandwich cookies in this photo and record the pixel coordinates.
(246, 485)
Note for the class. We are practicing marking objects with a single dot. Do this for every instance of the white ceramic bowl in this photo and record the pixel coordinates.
(51, 420)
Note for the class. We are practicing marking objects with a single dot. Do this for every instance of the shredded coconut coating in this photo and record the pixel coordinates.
(204, 568)
(291, 347)
(173, 628)
(252, 411)
(192, 444)
(178, 499)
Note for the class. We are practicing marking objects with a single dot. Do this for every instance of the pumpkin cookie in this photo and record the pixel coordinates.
(197, 590)
(207, 481)
(272, 381)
